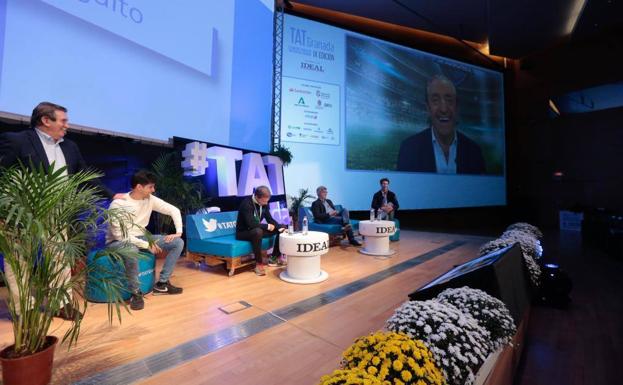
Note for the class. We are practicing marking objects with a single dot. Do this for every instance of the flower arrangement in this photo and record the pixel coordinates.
(490, 312)
(456, 340)
(529, 244)
(349, 377)
(526, 228)
(394, 359)
(500, 243)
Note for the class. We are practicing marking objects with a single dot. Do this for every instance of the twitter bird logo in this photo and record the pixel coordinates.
(210, 225)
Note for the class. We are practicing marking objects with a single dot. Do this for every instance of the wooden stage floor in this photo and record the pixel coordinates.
(290, 334)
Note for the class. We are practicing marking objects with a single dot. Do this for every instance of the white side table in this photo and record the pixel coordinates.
(304, 253)
(377, 235)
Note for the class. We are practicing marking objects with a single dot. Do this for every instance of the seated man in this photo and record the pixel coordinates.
(140, 203)
(324, 212)
(385, 201)
(251, 212)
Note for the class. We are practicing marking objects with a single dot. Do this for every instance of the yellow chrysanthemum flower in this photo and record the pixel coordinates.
(406, 376)
(383, 372)
(397, 365)
(417, 354)
(350, 377)
(418, 371)
(392, 357)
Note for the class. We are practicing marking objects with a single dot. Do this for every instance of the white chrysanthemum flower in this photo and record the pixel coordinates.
(500, 243)
(493, 314)
(456, 340)
(526, 228)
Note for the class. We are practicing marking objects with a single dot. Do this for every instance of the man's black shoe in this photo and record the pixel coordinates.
(355, 243)
(136, 301)
(166, 288)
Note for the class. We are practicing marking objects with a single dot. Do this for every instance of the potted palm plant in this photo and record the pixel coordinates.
(295, 202)
(47, 223)
(186, 194)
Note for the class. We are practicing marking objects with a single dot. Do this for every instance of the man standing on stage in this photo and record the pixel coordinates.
(44, 144)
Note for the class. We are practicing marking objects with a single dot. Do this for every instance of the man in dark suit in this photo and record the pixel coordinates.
(324, 212)
(385, 200)
(44, 145)
(251, 212)
(441, 148)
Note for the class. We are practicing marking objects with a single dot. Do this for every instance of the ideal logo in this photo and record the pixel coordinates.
(312, 67)
(385, 230)
(210, 225)
(309, 247)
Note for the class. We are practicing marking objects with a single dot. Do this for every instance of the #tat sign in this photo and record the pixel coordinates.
(218, 166)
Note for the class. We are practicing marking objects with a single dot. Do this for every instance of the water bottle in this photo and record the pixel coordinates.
(290, 227)
(371, 215)
(305, 225)
(379, 216)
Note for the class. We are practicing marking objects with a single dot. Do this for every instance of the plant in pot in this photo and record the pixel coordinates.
(186, 194)
(48, 221)
(283, 153)
(295, 202)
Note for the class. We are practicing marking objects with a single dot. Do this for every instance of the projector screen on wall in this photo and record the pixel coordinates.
(156, 69)
(356, 109)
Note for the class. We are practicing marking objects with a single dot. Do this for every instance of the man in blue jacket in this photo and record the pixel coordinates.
(44, 145)
(441, 148)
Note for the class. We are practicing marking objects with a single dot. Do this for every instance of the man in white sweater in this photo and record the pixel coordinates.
(140, 203)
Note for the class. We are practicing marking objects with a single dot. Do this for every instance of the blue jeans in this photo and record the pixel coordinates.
(174, 250)
(343, 219)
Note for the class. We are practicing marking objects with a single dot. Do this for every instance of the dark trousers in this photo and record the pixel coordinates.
(255, 237)
(341, 221)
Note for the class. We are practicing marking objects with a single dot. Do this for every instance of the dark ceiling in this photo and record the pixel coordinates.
(513, 28)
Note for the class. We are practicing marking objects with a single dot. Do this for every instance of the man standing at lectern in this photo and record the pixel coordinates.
(324, 212)
(385, 201)
(441, 148)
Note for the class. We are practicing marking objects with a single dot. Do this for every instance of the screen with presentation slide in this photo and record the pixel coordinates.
(356, 109)
(155, 69)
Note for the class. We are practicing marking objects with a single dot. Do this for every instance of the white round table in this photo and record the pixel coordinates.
(377, 235)
(304, 253)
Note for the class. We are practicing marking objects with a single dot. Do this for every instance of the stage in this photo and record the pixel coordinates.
(275, 333)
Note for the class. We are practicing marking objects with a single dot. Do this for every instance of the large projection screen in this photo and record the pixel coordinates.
(154, 69)
(356, 109)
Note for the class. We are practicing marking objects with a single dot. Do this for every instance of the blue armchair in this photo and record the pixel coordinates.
(331, 229)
